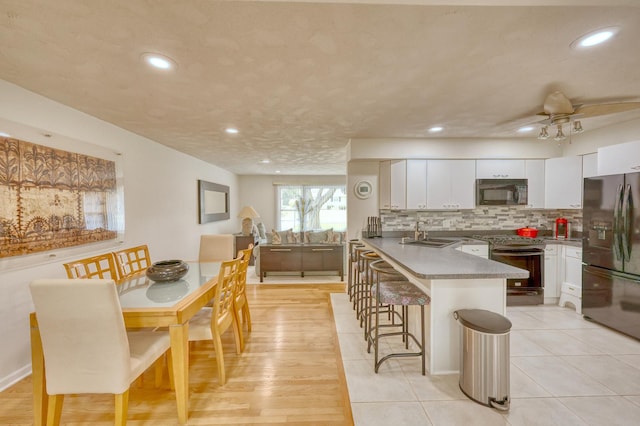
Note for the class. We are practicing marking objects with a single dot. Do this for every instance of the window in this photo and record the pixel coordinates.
(312, 207)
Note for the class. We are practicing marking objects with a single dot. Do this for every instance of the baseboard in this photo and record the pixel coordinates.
(15, 377)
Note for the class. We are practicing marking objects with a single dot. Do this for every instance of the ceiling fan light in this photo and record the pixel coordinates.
(559, 135)
(577, 127)
(544, 135)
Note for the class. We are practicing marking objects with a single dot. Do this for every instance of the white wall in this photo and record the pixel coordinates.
(590, 141)
(358, 210)
(161, 202)
(259, 191)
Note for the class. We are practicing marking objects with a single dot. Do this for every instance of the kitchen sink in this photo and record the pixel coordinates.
(431, 242)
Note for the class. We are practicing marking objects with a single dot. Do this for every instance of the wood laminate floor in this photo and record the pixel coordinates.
(290, 373)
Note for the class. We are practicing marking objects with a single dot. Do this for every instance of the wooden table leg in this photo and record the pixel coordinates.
(40, 397)
(180, 367)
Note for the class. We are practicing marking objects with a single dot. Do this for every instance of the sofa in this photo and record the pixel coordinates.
(313, 245)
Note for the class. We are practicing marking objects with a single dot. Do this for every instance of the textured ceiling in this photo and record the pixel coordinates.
(300, 79)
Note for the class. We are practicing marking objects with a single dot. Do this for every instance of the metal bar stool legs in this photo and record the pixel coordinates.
(397, 293)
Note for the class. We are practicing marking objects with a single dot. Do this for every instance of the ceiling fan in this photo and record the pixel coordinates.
(558, 110)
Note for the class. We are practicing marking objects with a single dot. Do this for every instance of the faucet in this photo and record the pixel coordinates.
(417, 232)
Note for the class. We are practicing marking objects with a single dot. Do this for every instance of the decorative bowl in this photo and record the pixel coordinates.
(167, 270)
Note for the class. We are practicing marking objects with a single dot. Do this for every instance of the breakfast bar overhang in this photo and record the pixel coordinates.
(454, 280)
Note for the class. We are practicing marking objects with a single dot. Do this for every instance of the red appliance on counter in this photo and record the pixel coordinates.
(527, 232)
(562, 228)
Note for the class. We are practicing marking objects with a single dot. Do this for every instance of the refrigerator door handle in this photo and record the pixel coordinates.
(617, 213)
(626, 219)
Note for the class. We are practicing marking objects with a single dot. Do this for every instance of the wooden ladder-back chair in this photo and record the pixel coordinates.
(102, 266)
(132, 260)
(211, 322)
(86, 348)
(243, 315)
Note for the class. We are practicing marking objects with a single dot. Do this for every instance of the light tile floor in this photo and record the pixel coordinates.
(564, 371)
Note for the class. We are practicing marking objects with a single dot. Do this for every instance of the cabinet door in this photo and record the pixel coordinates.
(500, 169)
(438, 184)
(551, 284)
(416, 184)
(563, 183)
(480, 250)
(620, 158)
(463, 179)
(534, 173)
(573, 266)
(398, 184)
(384, 185)
(590, 165)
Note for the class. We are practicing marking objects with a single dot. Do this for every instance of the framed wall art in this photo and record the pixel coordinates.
(213, 201)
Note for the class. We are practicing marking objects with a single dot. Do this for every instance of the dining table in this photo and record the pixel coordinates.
(145, 304)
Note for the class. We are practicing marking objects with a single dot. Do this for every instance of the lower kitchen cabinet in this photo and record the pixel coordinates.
(551, 273)
(571, 290)
(481, 250)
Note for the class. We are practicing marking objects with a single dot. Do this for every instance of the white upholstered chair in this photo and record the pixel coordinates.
(211, 322)
(216, 247)
(85, 344)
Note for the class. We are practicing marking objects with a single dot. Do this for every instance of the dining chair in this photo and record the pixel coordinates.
(86, 348)
(132, 260)
(243, 315)
(216, 247)
(102, 266)
(211, 322)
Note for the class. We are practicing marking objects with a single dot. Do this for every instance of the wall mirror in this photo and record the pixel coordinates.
(213, 202)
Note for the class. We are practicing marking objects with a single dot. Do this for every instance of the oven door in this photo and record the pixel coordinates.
(523, 291)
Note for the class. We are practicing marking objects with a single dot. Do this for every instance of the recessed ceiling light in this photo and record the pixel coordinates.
(4, 135)
(231, 130)
(595, 37)
(265, 161)
(277, 171)
(435, 129)
(525, 129)
(159, 61)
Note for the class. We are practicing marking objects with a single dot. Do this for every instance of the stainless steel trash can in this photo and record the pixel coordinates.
(484, 357)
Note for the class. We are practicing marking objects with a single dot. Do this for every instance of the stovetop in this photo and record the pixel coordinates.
(509, 240)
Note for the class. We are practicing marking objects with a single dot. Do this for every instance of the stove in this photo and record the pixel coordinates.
(524, 253)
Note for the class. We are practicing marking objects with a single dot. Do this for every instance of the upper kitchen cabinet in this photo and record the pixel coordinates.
(393, 185)
(563, 183)
(621, 158)
(590, 165)
(500, 169)
(416, 184)
(534, 173)
(450, 184)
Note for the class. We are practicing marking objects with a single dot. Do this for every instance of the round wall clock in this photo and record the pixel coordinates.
(363, 189)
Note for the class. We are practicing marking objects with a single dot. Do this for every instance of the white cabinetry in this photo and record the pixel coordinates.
(416, 184)
(590, 165)
(450, 184)
(563, 183)
(500, 169)
(534, 172)
(551, 273)
(480, 250)
(571, 290)
(393, 184)
(621, 158)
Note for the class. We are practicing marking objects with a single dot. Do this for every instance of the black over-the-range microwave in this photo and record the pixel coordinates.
(501, 192)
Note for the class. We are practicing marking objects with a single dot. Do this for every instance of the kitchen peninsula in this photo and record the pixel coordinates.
(454, 280)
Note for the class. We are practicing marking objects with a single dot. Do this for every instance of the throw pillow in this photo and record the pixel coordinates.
(317, 237)
(290, 236)
(275, 237)
(329, 238)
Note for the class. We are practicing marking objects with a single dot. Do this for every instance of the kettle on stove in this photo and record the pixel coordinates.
(562, 228)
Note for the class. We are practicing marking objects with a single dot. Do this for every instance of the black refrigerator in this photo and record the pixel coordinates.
(611, 252)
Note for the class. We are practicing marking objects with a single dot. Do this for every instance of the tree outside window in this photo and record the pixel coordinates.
(312, 207)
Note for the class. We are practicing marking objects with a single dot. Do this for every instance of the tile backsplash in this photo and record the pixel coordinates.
(479, 219)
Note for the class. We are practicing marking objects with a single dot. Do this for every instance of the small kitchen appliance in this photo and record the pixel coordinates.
(562, 229)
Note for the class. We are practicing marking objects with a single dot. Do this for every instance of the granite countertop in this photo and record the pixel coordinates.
(442, 263)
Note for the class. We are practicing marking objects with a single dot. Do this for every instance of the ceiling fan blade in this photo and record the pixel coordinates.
(604, 109)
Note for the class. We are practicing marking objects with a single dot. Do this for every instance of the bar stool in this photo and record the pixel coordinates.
(384, 272)
(396, 293)
(359, 276)
(366, 257)
(352, 259)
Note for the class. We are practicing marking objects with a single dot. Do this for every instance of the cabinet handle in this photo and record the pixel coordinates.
(325, 249)
(279, 249)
